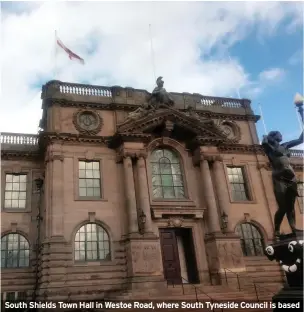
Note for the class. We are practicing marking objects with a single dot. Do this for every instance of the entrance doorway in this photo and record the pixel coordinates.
(178, 255)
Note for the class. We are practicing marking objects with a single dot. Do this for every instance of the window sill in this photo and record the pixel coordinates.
(249, 202)
(20, 210)
(94, 263)
(91, 199)
(19, 270)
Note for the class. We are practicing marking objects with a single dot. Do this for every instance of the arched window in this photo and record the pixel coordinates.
(15, 251)
(167, 177)
(92, 243)
(251, 239)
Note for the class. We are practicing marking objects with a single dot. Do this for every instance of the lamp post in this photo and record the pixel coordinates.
(224, 217)
(298, 100)
(142, 222)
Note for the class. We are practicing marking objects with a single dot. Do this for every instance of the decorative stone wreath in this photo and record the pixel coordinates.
(87, 122)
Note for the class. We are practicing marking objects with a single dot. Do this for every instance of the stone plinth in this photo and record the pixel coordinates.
(144, 261)
(225, 257)
(288, 251)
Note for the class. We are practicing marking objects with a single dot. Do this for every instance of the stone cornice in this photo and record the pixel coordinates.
(131, 107)
(50, 137)
(241, 148)
(21, 155)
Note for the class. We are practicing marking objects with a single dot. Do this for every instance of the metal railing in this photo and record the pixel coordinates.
(196, 289)
(255, 285)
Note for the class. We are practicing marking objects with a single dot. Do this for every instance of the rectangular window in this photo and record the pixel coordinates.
(238, 185)
(14, 295)
(15, 191)
(10, 296)
(300, 198)
(89, 179)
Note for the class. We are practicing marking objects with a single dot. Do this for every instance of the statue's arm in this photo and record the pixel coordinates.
(294, 143)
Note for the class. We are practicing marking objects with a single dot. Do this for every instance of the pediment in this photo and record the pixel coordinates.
(170, 120)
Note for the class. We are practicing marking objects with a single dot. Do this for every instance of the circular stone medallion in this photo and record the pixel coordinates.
(87, 122)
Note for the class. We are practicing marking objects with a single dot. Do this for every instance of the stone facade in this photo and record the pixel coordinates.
(137, 229)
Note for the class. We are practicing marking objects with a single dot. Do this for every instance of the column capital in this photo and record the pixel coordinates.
(210, 157)
(53, 156)
(131, 153)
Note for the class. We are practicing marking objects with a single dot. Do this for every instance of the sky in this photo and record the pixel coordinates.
(249, 49)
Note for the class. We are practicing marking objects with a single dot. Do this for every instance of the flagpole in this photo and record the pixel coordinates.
(152, 52)
(263, 121)
(55, 57)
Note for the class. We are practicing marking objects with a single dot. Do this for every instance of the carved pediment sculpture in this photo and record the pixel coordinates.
(159, 98)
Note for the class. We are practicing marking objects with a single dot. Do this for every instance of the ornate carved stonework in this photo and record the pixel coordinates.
(230, 129)
(175, 222)
(87, 122)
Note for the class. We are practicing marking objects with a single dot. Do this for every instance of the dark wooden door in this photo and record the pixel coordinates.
(172, 270)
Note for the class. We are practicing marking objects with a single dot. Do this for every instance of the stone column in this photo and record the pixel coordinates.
(130, 194)
(207, 189)
(143, 191)
(221, 189)
(57, 207)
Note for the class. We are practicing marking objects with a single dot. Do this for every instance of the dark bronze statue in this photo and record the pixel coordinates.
(283, 177)
(160, 96)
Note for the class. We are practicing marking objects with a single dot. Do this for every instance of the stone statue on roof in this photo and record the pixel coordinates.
(160, 96)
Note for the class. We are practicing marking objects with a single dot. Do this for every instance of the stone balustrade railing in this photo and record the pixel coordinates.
(18, 139)
(115, 92)
(297, 153)
(69, 88)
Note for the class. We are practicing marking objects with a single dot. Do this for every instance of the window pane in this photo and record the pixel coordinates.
(82, 165)
(166, 174)
(90, 192)
(10, 296)
(89, 182)
(96, 174)
(82, 183)
(82, 191)
(167, 180)
(237, 184)
(156, 180)
(251, 239)
(82, 174)
(9, 186)
(14, 251)
(96, 243)
(9, 178)
(168, 192)
(89, 174)
(157, 192)
(178, 180)
(96, 165)
(96, 192)
(89, 165)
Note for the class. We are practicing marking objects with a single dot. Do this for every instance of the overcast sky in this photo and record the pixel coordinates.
(219, 49)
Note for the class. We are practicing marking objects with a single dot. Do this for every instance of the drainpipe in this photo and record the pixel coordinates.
(39, 185)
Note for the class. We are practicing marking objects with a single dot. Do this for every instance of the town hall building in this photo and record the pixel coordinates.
(125, 192)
